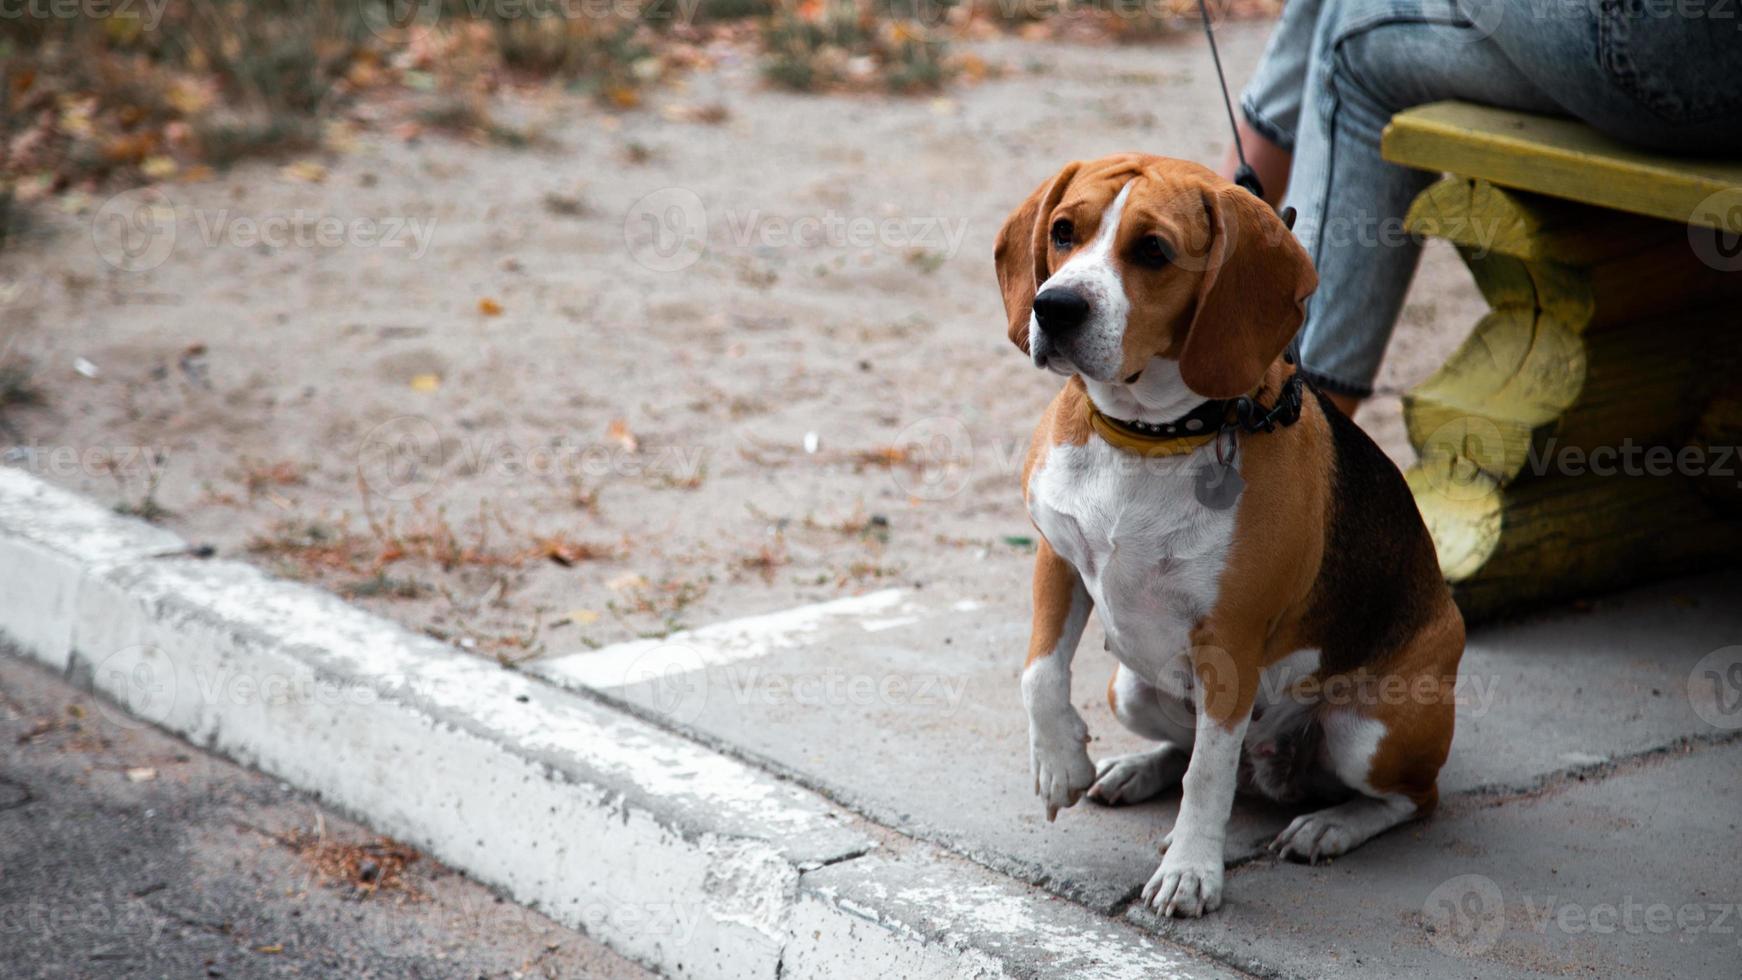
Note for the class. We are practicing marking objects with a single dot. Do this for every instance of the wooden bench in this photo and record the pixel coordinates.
(1583, 437)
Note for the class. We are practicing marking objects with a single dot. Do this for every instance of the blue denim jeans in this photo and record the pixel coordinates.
(1663, 74)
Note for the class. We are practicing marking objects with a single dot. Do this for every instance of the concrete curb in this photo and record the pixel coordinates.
(680, 857)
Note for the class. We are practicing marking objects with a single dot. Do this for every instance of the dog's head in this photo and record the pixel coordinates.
(1117, 261)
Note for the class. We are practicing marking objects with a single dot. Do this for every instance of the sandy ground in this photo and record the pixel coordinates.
(493, 394)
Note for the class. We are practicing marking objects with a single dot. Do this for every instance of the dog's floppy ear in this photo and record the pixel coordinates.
(1020, 253)
(1249, 305)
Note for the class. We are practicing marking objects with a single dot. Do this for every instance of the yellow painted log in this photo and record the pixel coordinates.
(1524, 390)
(1477, 215)
(1503, 549)
(1584, 347)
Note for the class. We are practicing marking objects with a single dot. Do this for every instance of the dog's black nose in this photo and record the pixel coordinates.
(1060, 311)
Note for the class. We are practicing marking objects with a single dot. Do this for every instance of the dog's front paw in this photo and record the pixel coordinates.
(1186, 885)
(1059, 760)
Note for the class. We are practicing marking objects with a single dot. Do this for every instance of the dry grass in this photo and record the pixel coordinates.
(365, 867)
(665, 600)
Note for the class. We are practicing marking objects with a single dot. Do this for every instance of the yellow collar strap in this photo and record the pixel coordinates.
(1122, 436)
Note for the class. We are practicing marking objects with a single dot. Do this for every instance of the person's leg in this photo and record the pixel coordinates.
(1372, 58)
(1656, 75)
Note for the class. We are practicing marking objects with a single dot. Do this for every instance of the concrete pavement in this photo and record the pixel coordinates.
(841, 790)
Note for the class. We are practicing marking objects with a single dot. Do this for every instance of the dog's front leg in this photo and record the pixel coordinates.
(1189, 881)
(1058, 754)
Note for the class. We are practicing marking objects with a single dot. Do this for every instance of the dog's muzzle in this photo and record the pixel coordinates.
(1059, 316)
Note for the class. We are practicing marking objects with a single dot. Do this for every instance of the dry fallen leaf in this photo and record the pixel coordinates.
(158, 167)
(306, 171)
(618, 432)
(567, 553)
(625, 582)
(489, 307)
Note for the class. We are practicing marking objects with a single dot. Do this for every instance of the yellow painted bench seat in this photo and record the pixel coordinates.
(1561, 158)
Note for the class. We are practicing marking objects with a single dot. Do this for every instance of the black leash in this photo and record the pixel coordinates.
(1244, 175)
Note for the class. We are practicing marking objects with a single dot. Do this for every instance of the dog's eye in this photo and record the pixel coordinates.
(1063, 234)
(1153, 252)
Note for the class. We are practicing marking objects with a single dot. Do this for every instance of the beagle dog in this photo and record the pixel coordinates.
(1262, 574)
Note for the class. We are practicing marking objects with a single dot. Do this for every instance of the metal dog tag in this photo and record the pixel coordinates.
(1218, 482)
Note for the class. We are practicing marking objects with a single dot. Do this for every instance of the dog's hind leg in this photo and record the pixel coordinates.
(1388, 750)
(1122, 780)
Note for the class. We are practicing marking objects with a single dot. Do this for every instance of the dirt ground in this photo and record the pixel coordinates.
(503, 396)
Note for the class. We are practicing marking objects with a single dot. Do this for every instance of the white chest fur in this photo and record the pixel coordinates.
(1150, 554)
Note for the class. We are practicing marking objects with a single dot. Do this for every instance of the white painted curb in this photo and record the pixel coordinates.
(675, 855)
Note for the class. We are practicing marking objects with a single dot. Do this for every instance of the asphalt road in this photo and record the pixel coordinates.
(127, 853)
